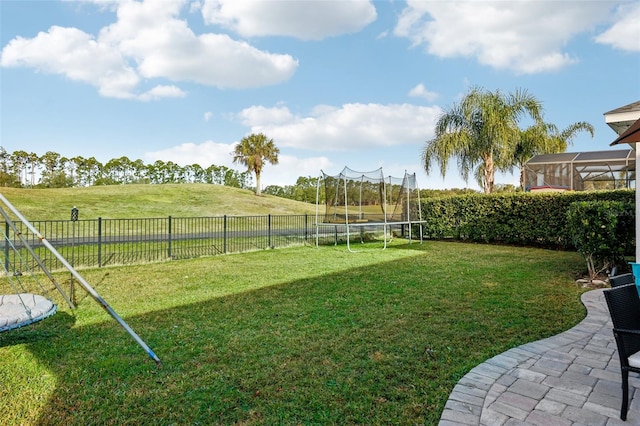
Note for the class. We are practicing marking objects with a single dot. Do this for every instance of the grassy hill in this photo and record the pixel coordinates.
(138, 201)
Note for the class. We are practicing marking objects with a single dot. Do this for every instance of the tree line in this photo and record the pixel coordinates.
(21, 169)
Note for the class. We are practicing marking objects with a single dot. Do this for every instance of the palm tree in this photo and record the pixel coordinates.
(544, 138)
(253, 151)
(480, 132)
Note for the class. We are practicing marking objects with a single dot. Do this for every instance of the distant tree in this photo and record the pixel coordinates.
(89, 171)
(75, 166)
(306, 189)
(8, 175)
(155, 171)
(114, 170)
(19, 161)
(480, 133)
(276, 190)
(34, 162)
(505, 187)
(195, 173)
(434, 193)
(172, 173)
(51, 161)
(253, 151)
(236, 179)
(138, 171)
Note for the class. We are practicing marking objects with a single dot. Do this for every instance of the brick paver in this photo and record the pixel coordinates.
(571, 379)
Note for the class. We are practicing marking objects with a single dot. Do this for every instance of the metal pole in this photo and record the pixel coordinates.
(74, 219)
(99, 242)
(82, 281)
(169, 238)
(224, 234)
(6, 247)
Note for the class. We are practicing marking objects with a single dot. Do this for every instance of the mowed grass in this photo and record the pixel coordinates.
(293, 336)
(144, 201)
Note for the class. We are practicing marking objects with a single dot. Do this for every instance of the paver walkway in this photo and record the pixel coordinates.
(570, 379)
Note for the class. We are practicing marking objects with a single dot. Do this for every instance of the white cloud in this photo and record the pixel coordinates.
(76, 55)
(350, 127)
(263, 116)
(625, 33)
(523, 36)
(148, 41)
(162, 91)
(208, 116)
(286, 172)
(290, 168)
(306, 20)
(421, 92)
(164, 46)
(204, 154)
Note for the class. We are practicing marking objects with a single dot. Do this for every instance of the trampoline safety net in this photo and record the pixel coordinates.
(353, 197)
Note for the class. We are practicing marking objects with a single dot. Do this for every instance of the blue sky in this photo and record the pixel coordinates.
(335, 83)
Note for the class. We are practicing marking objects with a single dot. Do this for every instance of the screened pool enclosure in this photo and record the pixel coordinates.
(580, 171)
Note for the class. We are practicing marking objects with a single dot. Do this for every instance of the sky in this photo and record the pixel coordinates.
(334, 83)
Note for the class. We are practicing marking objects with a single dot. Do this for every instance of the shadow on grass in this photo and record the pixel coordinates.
(375, 345)
(35, 333)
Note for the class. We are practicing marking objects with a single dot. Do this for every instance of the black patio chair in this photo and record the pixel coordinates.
(624, 307)
(623, 279)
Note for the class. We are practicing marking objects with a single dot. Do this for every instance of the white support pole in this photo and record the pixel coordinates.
(81, 280)
(317, 206)
(346, 209)
(384, 208)
(408, 183)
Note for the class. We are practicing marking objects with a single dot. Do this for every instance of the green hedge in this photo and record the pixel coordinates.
(599, 233)
(525, 219)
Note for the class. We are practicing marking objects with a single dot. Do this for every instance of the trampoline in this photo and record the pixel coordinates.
(18, 310)
(367, 201)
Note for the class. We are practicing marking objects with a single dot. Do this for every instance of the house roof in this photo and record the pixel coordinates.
(631, 135)
(634, 106)
(620, 119)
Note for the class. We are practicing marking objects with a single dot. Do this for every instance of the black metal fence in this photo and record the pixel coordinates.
(101, 242)
(105, 242)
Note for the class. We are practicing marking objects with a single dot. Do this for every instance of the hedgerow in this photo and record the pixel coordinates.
(523, 219)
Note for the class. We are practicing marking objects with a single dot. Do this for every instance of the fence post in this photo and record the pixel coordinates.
(99, 242)
(269, 231)
(306, 226)
(224, 234)
(6, 247)
(74, 219)
(169, 242)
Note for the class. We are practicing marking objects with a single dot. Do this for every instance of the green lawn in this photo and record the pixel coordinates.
(291, 336)
(144, 201)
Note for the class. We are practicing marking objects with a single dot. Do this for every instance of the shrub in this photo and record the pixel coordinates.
(597, 233)
(524, 219)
